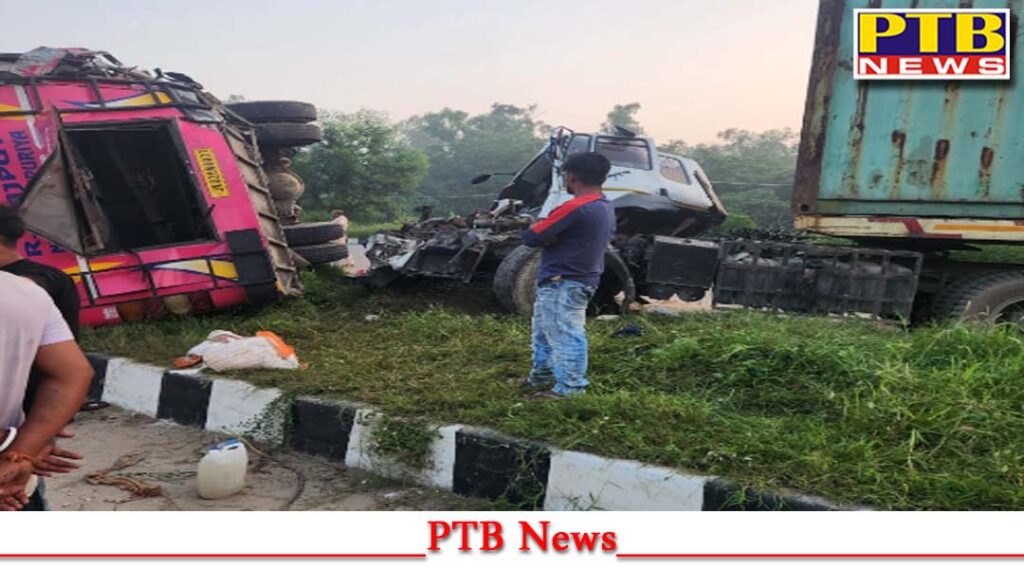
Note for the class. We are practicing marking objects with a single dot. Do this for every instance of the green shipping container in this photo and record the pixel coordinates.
(909, 158)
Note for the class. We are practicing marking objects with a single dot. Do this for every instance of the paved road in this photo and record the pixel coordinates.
(169, 455)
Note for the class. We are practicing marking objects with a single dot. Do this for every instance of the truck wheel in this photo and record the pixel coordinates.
(287, 134)
(991, 298)
(323, 253)
(515, 282)
(312, 233)
(258, 112)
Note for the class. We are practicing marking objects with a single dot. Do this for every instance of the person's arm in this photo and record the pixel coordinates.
(64, 380)
(547, 230)
(64, 377)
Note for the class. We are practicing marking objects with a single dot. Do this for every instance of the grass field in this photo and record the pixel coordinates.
(854, 411)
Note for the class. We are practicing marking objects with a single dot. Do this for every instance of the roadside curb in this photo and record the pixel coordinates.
(468, 461)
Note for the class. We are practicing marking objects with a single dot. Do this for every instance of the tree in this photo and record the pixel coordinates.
(752, 171)
(363, 166)
(624, 116)
(459, 146)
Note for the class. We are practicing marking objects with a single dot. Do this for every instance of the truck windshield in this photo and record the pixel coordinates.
(625, 152)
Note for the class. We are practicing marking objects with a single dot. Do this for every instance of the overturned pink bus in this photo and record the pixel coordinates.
(148, 191)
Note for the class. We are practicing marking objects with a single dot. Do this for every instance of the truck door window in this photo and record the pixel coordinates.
(673, 169)
(625, 152)
(579, 143)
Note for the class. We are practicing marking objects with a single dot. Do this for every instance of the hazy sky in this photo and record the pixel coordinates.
(696, 66)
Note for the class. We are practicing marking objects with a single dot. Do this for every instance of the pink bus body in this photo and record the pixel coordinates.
(178, 228)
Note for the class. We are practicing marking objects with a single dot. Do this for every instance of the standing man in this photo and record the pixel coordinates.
(33, 334)
(574, 238)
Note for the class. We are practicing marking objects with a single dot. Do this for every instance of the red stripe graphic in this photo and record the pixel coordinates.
(563, 210)
(213, 555)
(820, 555)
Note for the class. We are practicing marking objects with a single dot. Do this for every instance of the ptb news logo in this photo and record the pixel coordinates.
(931, 44)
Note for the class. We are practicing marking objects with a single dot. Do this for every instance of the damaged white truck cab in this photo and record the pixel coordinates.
(653, 192)
(660, 199)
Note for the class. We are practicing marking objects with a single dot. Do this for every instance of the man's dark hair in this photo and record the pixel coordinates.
(590, 167)
(11, 226)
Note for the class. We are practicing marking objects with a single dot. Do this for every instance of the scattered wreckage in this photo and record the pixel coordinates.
(151, 193)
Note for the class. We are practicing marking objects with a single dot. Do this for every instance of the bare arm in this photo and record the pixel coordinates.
(64, 381)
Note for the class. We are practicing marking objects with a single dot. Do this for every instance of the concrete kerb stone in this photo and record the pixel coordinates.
(440, 460)
(133, 386)
(239, 408)
(466, 460)
(581, 481)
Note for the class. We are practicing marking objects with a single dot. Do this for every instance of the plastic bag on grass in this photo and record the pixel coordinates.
(223, 351)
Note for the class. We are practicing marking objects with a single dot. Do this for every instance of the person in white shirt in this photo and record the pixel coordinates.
(32, 333)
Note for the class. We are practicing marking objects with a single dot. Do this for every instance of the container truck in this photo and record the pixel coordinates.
(932, 167)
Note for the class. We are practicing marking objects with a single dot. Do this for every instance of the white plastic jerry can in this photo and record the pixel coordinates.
(222, 470)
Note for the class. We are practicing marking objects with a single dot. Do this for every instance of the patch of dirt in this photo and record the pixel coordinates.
(168, 455)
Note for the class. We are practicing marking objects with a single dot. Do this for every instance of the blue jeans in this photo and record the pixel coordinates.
(559, 336)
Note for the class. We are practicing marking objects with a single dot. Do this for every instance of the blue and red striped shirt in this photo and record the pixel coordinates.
(575, 237)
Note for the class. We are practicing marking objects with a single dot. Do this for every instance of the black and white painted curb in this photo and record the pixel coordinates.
(465, 460)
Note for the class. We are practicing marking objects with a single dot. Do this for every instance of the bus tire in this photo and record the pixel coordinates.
(302, 234)
(323, 253)
(258, 112)
(287, 134)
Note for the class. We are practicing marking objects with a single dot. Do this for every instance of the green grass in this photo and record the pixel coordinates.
(406, 441)
(359, 229)
(854, 411)
(992, 254)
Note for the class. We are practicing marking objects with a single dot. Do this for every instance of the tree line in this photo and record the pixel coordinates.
(378, 170)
